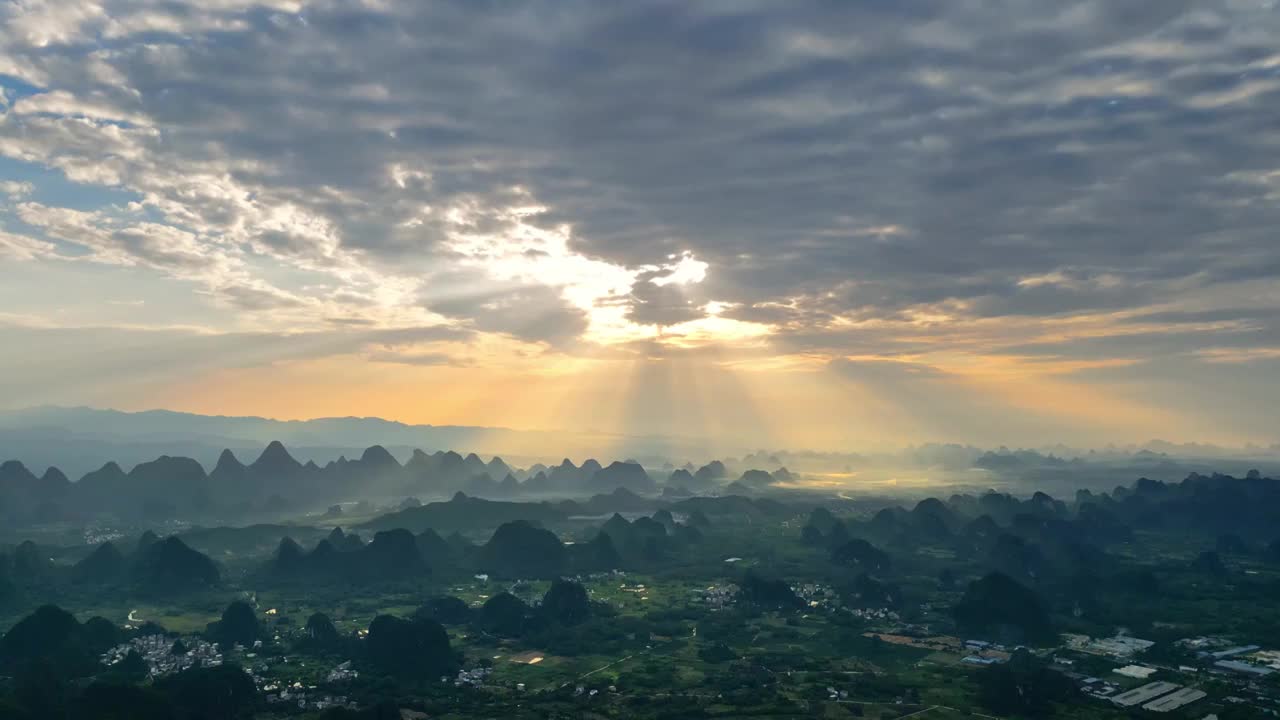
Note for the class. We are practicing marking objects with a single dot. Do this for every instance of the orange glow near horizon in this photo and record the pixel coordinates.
(726, 402)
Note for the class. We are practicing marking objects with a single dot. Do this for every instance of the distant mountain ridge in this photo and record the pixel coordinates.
(275, 483)
(169, 423)
(79, 439)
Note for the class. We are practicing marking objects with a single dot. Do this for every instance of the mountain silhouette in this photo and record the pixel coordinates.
(104, 488)
(275, 467)
(391, 554)
(520, 550)
(434, 549)
(232, 481)
(289, 558)
(106, 564)
(998, 606)
(755, 479)
(680, 478)
(628, 475)
(169, 565)
(464, 513)
(597, 555)
(712, 471)
(228, 468)
(343, 542)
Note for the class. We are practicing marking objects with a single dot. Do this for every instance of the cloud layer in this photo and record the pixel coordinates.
(1075, 191)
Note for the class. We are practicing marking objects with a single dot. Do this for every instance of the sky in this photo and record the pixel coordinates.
(825, 225)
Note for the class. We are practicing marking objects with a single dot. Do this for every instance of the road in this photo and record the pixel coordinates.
(589, 673)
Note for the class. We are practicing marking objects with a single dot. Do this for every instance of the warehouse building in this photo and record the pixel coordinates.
(1175, 700)
(1146, 693)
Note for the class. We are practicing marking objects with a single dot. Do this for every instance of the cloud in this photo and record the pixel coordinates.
(531, 312)
(19, 247)
(1038, 179)
(15, 188)
(251, 295)
(654, 304)
(426, 359)
(803, 128)
(115, 361)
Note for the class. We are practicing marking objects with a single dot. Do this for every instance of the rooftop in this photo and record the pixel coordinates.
(1140, 695)
(1175, 700)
